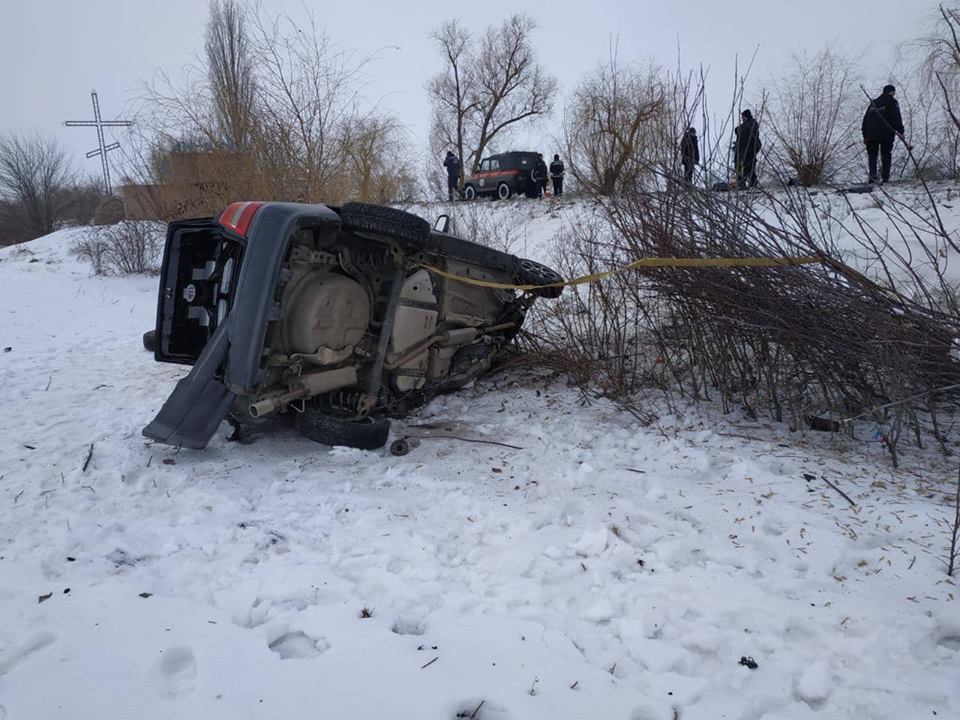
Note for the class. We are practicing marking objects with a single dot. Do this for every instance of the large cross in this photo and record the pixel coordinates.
(103, 148)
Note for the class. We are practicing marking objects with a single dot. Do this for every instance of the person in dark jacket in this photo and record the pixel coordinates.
(556, 175)
(539, 175)
(452, 164)
(689, 153)
(881, 124)
(745, 149)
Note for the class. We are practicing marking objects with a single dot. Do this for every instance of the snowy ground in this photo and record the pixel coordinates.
(602, 570)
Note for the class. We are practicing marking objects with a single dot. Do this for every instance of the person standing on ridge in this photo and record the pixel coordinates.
(539, 175)
(745, 149)
(452, 164)
(689, 153)
(882, 123)
(556, 175)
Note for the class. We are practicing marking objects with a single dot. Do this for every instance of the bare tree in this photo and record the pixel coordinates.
(935, 113)
(451, 91)
(308, 88)
(614, 125)
(485, 90)
(230, 72)
(375, 151)
(814, 119)
(273, 110)
(511, 86)
(33, 174)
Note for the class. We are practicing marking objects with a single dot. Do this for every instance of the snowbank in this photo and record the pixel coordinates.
(604, 570)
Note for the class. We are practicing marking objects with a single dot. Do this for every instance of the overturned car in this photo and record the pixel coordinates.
(340, 316)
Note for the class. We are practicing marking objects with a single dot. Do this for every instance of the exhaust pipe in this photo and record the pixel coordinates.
(303, 387)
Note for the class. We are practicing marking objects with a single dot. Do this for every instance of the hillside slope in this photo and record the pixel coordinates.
(596, 569)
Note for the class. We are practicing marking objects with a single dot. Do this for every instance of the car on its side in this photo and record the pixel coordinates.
(337, 316)
(503, 175)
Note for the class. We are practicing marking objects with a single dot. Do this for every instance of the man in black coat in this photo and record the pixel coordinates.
(539, 175)
(452, 164)
(689, 153)
(745, 149)
(882, 123)
(556, 175)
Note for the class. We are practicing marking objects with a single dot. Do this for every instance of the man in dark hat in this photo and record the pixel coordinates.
(745, 149)
(556, 175)
(689, 153)
(882, 123)
(452, 164)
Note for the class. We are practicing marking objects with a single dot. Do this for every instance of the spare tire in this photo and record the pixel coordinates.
(533, 273)
(382, 220)
(367, 434)
(150, 340)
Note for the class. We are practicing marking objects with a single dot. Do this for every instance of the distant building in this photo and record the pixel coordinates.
(194, 182)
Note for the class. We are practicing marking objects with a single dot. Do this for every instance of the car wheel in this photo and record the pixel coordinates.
(533, 273)
(469, 193)
(384, 221)
(503, 191)
(150, 340)
(369, 433)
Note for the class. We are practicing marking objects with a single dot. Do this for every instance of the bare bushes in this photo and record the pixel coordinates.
(499, 230)
(131, 247)
(789, 342)
(816, 115)
(615, 125)
(272, 110)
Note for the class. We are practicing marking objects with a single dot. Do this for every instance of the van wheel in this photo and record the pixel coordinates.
(469, 193)
(150, 340)
(382, 220)
(369, 433)
(503, 191)
(533, 273)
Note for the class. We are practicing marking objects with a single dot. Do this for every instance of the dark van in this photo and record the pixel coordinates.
(503, 175)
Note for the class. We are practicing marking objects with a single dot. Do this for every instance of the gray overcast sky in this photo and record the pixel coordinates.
(53, 52)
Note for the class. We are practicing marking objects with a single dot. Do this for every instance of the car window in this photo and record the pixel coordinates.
(494, 164)
(484, 166)
(524, 161)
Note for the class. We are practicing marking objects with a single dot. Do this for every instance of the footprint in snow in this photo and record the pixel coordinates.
(951, 642)
(408, 626)
(481, 709)
(178, 670)
(297, 645)
(14, 656)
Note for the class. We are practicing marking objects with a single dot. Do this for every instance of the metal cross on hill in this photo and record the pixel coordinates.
(103, 148)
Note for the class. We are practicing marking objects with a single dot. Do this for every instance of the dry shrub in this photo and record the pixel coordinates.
(272, 110)
(481, 224)
(790, 342)
(616, 126)
(131, 247)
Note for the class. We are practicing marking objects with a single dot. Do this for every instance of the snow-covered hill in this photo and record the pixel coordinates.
(599, 569)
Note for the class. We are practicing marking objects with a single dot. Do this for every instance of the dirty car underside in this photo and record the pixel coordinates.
(341, 316)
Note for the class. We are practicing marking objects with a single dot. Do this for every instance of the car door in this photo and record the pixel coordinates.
(483, 176)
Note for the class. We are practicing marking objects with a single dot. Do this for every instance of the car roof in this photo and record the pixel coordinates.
(513, 153)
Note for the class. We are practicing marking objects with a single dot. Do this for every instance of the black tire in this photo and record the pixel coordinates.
(469, 193)
(367, 434)
(504, 191)
(533, 273)
(382, 220)
(150, 340)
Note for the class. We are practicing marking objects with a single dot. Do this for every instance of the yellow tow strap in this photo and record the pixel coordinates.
(657, 262)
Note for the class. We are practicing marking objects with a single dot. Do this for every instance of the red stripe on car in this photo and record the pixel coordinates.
(238, 216)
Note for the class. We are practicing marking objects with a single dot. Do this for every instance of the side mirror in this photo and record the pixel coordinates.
(442, 224)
